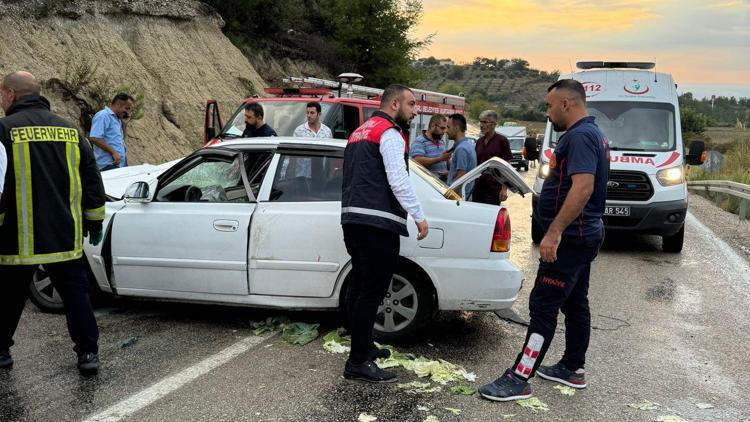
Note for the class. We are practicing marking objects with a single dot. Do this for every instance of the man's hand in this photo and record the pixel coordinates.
(115, 158)
(503, 193)
(423, 229)
(95, 237)
(445, 156)
(548, 246)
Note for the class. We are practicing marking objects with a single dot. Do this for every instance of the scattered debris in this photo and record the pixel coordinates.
(423, 408)
(463, 390)
(453, 410)
(565, 390)
(509, 416)
(533, 404)
(364, 417)
(416, 387)
(431, 419)
(704, 405)
(128, 342)
(439, 371)
(644, 405)
(269, 324)
(300, 333)
(670, 418)
(335, 342)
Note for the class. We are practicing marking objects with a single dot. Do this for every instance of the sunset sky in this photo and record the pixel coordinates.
(704, 44)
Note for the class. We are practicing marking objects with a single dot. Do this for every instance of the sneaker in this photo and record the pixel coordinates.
(368, 372)
(559, 373)
(88, 364)
(506, 388)
(6, 361)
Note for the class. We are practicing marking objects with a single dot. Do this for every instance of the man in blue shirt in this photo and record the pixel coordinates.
(570, 209)
(108, 133)
(429, 149)
(464, 157)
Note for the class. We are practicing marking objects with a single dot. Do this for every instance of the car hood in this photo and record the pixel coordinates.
(117, 181)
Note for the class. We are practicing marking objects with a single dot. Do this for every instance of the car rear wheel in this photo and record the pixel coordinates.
(408, 306)
(673, 243)
(43, 294)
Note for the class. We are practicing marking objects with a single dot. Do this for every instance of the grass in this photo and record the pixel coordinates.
(736, 168)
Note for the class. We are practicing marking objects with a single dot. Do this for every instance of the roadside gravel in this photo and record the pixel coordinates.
(724, 224)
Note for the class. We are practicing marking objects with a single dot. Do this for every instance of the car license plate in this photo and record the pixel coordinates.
(617, 211)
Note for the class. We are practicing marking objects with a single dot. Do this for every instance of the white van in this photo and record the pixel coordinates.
(516, 136)
(637, 110)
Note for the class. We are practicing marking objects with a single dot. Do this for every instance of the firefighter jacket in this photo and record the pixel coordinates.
(366, 196)
(53, 190)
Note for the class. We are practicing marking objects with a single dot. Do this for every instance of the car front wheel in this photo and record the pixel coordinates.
(43, 294)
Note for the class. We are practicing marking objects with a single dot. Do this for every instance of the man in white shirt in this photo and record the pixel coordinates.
(313, 128)
(376, 199)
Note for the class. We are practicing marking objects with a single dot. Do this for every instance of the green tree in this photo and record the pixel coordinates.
(476, 105)
(373, 38)
(692, 121)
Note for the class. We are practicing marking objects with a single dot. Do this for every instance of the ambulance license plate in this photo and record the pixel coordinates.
(617, 211)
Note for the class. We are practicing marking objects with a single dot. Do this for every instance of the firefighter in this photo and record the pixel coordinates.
(570, 207)
(53, 197)
(376, 198)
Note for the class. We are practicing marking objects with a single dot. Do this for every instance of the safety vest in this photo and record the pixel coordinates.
(366, 196)
(52, 186)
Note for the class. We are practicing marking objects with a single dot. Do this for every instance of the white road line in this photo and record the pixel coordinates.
(155, 392)
(733, 260)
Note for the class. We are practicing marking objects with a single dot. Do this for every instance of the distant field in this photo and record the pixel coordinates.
(721, 135)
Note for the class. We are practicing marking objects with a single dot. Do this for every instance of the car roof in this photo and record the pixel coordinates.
(273, 142)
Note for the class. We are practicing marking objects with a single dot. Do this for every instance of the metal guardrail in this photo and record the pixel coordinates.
(724, 189)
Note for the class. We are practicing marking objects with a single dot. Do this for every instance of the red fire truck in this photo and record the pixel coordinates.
(343, 112)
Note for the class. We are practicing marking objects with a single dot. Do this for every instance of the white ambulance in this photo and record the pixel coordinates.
(637, 110)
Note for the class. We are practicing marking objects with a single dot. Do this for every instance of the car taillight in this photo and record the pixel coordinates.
(501, 234)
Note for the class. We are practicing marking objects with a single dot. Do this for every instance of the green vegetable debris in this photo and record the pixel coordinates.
(267, 325)
(364, 417)
(416, 387)
(335, 342)
(453, 410)
(463, 390)
(431, 418)
(644, 405)
(439, 371)
(669, 418)
(565, 390)
(300, 333)
(533, 404)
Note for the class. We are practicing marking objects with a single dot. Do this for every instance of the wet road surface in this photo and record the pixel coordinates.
(668, 328)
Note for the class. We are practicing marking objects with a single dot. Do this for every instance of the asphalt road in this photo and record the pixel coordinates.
(669, 328)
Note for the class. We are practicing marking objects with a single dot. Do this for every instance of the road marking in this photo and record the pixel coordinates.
(733, 259)
(162, 388)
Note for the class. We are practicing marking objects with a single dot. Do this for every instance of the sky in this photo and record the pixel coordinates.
(705, 45)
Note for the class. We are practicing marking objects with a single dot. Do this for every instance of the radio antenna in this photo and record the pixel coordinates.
(571, 66)
(655, 81)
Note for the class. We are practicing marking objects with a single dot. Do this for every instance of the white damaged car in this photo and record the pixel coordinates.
(257, 223)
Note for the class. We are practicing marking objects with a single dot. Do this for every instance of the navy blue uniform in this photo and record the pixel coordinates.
(563, 285)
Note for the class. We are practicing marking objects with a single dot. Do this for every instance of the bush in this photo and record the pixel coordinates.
(736, 168)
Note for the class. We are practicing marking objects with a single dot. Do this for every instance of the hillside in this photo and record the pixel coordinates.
(171, 52)
(508, 85)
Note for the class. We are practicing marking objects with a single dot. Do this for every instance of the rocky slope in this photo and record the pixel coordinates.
(173, 52)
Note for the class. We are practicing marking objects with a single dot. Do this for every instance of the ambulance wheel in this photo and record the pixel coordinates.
(673, 243)
(537, 234)
(43, 294)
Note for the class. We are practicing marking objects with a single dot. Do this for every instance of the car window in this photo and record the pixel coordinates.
(307, 178)
(212, 179)
(282, 116)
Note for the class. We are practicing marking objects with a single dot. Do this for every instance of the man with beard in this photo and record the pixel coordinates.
(429, 149)
(570, 208)
(491, 144)
(376, 198)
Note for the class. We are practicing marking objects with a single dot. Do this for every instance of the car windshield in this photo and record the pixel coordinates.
(433, 180)
(281, 116)
(516, 144)
(633, 126)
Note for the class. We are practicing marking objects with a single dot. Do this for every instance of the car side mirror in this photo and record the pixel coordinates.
(137, 193)
(340, 134)
(696, 153)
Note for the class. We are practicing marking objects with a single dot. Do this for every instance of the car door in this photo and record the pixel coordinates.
(296, 241)
(500, 170)
(192, 237)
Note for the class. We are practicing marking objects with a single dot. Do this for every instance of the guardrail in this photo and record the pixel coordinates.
(724, 189)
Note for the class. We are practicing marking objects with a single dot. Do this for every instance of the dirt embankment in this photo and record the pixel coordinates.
(174, 51)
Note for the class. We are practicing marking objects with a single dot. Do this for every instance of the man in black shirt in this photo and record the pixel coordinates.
(254, 125)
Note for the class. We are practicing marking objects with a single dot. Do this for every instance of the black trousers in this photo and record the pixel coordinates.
(374, 255)
(562, 285)
(71, 281)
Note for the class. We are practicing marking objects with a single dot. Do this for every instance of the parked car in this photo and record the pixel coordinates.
(241, 224)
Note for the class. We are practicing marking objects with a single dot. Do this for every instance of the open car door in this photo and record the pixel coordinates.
(500, 170)
(211, 122)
